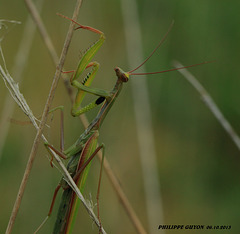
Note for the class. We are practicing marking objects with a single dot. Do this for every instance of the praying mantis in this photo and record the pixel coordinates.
(81, 153)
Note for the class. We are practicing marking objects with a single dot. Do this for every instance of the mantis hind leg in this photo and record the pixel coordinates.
(51, 148)
(99, 183)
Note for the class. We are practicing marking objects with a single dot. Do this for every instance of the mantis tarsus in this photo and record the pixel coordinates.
(81, 153)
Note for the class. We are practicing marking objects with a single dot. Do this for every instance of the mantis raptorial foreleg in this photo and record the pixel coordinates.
(84, 63)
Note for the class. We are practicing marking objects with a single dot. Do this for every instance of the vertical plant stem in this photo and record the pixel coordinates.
(43, 121)
(123, 198)
(145, 136)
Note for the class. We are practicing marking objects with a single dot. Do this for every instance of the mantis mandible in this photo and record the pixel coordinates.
(81, 153)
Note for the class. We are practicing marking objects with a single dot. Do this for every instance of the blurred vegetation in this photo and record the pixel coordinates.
(198, 163)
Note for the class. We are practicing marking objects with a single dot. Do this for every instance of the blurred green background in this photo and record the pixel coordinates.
(198, 163)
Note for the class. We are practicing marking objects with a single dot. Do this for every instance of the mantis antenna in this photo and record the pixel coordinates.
(132, 73)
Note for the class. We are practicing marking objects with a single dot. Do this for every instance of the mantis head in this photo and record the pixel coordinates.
(122, 75)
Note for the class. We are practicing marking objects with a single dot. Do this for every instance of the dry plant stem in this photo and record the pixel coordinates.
(114, 181)
(143, 119)
(42, 123)
(210, 104)
(122, 197)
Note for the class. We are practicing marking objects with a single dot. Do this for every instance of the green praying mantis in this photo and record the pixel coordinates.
(81, 153)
